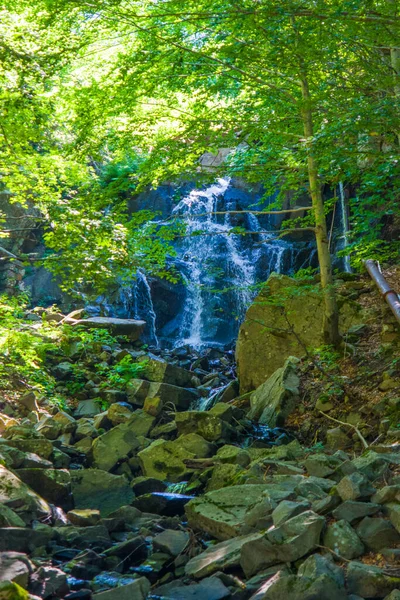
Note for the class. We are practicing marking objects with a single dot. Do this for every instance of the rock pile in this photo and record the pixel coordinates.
(149, 497)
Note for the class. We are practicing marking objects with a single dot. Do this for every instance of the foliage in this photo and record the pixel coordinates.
(119, 374)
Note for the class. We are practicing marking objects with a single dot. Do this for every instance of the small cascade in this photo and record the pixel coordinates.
(138, 304)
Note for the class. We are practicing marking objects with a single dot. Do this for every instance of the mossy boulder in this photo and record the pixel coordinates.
(164, 460)
(15, 494)
(93, 488)
(265, 339)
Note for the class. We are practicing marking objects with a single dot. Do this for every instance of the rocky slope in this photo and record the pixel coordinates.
(132, 492)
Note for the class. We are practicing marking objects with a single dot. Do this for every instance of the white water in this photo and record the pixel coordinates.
(345, 227)
(138, 303)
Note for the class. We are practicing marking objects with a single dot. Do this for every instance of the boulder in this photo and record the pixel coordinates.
(15, 567)
(138, 390)
(9, 518)
(54, 485)
(274, 400)
(282, 587)
(287, 509)
(377, 534)
(392, 509)
(12, 591)
(84, 517)
(40, 446)
(94, 488)
(265, 340)
(20, 498)
(211, 588)
(287, 543)
(49, 582)
(114, 445)
(130, 327)
(341, 538)
(225, 555)
(171, 541)
(160, 371)
(164, 460)
(137, 590)
(209, 426)
(351, 510)
(221, 512)
(23, 539)
(354, 486)
(369, 581)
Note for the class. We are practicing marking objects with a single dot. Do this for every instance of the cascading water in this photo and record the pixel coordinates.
(137, 304)
(220, 269)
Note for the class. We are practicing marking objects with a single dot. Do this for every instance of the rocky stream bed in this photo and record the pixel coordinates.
(173, 488)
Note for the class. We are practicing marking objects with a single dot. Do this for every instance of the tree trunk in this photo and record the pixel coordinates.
(331, 312)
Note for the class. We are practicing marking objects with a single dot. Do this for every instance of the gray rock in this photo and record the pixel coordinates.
(20, 539)
(92, 488)
(211, 588)
(321, 465)
(372, 465)
(130, 327)
(54, 485)
(351, 510)
(87, 408)
(160, 371)
(343, 540)
(219, 557)
(209, 426)
(171, 541)
(300, 588)
(221, 513)
(114, 445)
(354, 486)
(164, 460)
(369, 581)
(15, 567)
(286, 543)
(392, 509)
(316, 565)
(274, 400)
(138, 390)
(20, 498)
(389, 493)
(49, 582)
(377, 534)
(286, 510)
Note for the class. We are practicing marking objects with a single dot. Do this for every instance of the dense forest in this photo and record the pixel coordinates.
(199, 300)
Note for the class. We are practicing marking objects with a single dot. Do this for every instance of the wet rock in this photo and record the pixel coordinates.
(224, 555)
(341, 538)
(369, 581)
(162, 503)
(352, 510)
(221, 513)
(137, 590)
(100, 490)
(286, 543)
(147, 485)
(164, 460)
(19, 497)
(377, 533)
(274, 400)
(15, 567)
(171, 541)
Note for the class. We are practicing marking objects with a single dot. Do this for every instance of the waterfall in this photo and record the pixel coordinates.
(345, 227)
(138, 304)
